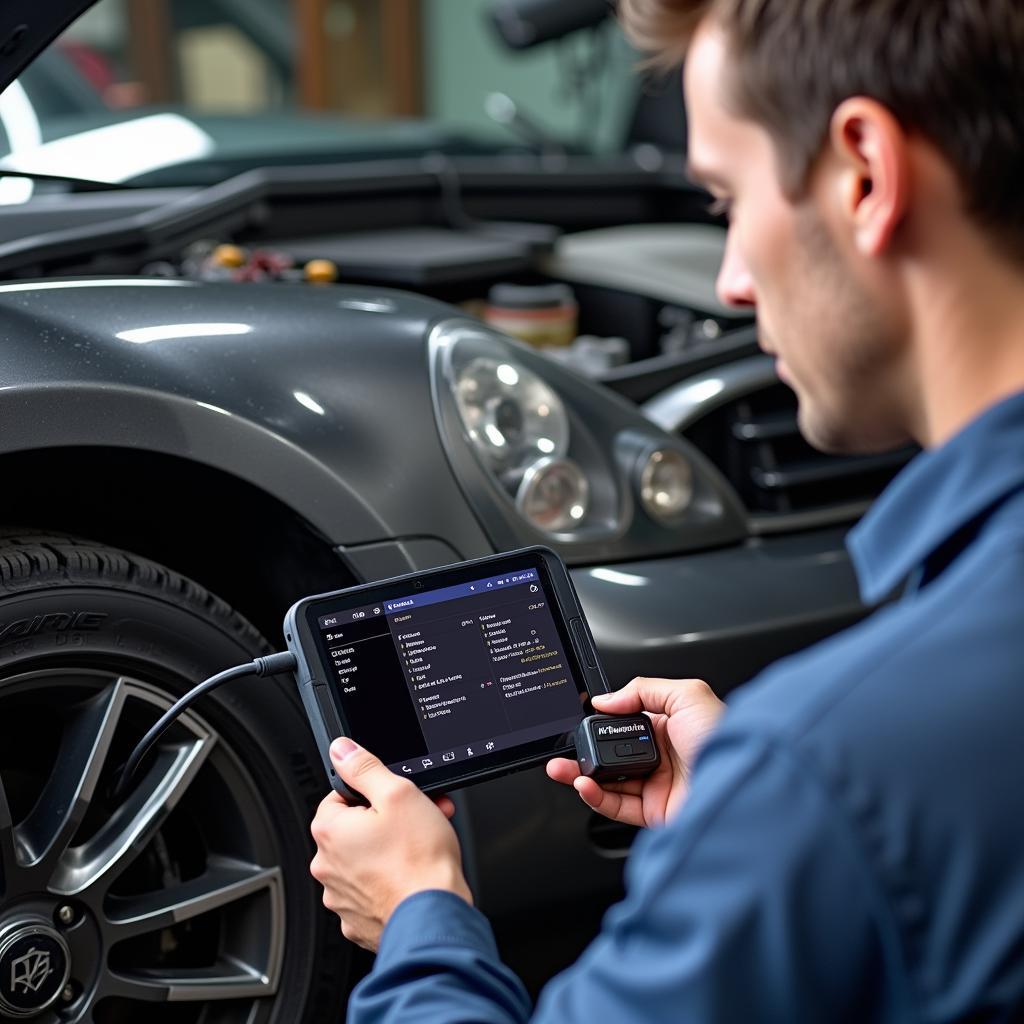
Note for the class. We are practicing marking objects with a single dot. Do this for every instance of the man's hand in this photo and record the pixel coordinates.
(369, 859)
(683, 713)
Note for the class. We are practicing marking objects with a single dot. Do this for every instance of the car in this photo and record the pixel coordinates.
(200, 425)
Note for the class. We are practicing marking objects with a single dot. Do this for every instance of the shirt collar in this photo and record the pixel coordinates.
(936, 496)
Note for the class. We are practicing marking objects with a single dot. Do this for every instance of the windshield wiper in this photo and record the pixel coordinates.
(77, 184)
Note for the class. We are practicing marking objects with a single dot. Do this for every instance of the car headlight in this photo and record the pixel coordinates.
(666, 485)
(535, 449)
(545, 456)
(554, 495)
(510, 414)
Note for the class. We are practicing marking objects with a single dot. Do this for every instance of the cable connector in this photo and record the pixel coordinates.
(266, 665)
(273, 664)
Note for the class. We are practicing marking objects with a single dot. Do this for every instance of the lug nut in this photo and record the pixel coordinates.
(66, 915)
(68, 995)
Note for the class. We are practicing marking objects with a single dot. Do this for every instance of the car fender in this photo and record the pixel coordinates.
(88, 415)
(320, 397)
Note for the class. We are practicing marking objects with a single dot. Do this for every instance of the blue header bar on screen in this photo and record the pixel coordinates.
(473, 589)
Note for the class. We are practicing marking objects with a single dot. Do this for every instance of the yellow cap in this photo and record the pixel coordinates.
(228, 255)
(321, 271)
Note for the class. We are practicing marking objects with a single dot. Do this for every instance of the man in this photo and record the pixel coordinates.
(852, 845)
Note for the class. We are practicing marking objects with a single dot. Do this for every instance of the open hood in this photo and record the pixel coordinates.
(27, 27)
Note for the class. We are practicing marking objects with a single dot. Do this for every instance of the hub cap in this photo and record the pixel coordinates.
(35, 964)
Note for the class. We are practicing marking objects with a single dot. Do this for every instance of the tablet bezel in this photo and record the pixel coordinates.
(315, 683)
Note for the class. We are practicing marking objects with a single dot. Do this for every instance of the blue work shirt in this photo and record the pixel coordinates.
(853, 845)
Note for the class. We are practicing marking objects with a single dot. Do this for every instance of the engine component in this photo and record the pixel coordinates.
(541, 315)
(321, 271)
(590, 356)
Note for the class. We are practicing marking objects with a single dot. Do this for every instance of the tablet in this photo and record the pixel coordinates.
(451, 676)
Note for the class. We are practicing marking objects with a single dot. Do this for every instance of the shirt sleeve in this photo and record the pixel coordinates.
(755, 903)
(438, 962)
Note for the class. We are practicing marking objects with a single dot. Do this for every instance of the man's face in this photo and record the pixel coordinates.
(788, 260)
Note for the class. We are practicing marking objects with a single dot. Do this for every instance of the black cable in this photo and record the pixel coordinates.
(268, 665)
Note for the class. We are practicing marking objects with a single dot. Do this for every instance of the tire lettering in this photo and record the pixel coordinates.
(52, 622)
(89, 620)
(56, 620)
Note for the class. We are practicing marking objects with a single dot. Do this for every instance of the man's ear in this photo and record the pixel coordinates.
(871, 148)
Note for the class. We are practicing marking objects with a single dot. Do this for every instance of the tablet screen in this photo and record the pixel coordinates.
(460, 675)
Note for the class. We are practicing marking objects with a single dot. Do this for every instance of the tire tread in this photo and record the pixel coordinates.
(31, 561)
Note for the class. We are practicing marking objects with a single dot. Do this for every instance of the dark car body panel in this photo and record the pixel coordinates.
(229, 400)
(720, 615)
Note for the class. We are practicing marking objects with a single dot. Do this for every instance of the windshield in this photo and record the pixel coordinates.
(184, 92)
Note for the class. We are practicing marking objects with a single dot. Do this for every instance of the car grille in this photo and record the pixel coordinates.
(744, 420)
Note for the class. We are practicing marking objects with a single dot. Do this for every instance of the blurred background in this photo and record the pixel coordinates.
(372, 59)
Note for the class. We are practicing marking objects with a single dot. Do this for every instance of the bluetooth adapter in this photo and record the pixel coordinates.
(613, 748)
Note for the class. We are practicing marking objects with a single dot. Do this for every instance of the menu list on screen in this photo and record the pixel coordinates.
(442, 676)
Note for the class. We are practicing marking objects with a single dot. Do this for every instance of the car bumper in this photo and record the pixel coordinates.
(719, 615)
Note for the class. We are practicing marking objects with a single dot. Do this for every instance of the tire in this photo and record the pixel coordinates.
(188, 901)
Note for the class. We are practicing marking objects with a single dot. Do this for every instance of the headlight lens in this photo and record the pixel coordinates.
(511, 415)
(666, 484)
(554, 495)
(542, 454)
(527, 424)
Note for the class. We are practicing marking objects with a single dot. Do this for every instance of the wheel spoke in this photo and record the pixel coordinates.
(224, 883)
(50, 826)
(8, 845)
(230, 978)
(109, 852)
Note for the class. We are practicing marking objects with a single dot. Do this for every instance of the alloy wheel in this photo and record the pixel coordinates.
(167, 903)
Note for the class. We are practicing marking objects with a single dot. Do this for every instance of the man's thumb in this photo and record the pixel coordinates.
(662, 697)
(360, 770)
(619, 702)
(658, 696)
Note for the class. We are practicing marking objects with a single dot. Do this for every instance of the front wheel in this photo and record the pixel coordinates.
(188, 901)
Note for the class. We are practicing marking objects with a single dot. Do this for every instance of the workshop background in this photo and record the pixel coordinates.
(374, 59)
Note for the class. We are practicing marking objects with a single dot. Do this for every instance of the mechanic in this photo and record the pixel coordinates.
(850, 846)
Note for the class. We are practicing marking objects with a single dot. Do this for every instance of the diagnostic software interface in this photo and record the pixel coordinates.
(443, 676)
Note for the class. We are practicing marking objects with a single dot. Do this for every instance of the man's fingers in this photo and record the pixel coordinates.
(361, 771)
(563, 769)
(658, 696)
(446, 805)
(330, 802)
(625, 807)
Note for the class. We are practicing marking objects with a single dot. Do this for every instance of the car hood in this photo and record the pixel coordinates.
(27, 27)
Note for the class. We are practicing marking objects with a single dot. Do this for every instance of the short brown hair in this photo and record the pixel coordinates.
(950, 70)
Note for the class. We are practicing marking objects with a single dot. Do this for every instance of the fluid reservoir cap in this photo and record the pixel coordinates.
(228, 255)
(519, 296)
(321, 271)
